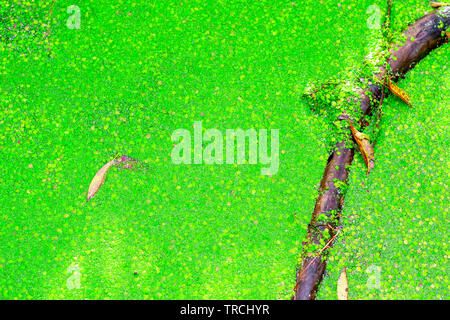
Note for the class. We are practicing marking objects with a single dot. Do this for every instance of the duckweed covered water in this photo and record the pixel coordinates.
(136, 71)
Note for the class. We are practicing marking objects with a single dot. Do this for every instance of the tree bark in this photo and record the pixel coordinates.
(428, 33)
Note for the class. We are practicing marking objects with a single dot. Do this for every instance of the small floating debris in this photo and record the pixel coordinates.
(122, 162)
(399, 92)
(128, 163)
(342, 285)
(362, 140)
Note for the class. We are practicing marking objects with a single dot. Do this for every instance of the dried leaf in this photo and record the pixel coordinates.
(98, 179)
(399, 92)
(123, 162)
(364, 146)
(342, 285)
(435, 4)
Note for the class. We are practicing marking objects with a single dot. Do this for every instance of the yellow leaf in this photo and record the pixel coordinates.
(399, 92)
(364, 146)
(342, 285)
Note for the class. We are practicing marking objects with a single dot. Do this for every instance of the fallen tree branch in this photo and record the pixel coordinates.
(426, 34)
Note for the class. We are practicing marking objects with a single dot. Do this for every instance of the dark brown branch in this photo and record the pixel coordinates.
(428, 33)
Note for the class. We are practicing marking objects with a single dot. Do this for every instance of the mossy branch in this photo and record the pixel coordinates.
(425, 35)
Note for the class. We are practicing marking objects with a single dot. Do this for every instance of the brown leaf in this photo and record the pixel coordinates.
(399, 92)
(364, 146)
(435, 4)
(98, 179)
(342, 285)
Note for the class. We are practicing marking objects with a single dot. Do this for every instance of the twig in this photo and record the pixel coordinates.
(387, 22)
(386, 33)
(50, 13)
(379, 108)
(318, 255)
